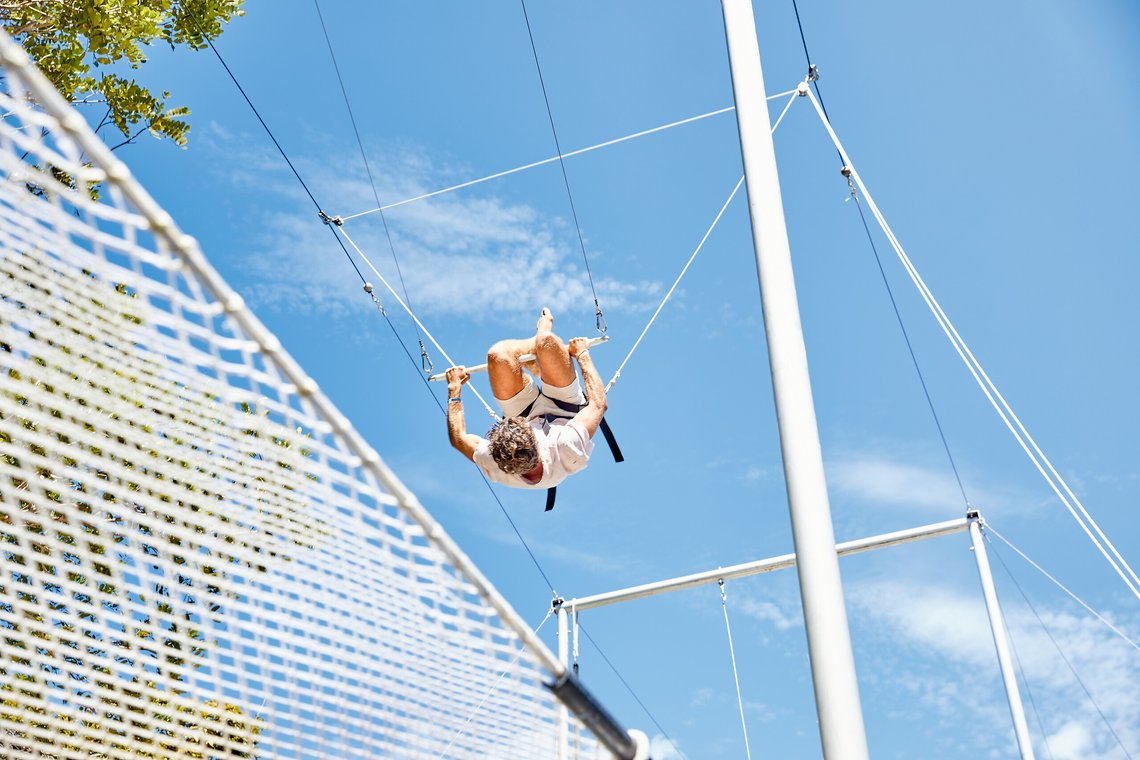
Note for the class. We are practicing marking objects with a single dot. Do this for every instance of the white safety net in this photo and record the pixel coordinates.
(199, 557)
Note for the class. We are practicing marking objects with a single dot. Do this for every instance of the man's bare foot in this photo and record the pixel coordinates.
(545, 322)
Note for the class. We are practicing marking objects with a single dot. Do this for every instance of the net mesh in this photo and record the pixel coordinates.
(197, 561)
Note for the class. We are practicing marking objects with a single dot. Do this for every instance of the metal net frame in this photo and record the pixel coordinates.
(199, 556)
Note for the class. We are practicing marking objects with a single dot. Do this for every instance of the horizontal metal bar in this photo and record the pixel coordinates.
(764, 565)
(524, 358)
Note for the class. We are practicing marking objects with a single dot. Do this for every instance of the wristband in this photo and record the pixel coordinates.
(454, 400)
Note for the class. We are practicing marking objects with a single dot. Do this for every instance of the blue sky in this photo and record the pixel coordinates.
(999, 140)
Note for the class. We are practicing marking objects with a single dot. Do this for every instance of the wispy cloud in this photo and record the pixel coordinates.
(660, 748)
(906, 482)
(782, 616)
(466, 254)
(951, 627)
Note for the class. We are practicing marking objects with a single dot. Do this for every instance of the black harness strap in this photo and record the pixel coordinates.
(566, 406)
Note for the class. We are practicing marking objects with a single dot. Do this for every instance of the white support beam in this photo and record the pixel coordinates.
(763, 566)
(1001, 644)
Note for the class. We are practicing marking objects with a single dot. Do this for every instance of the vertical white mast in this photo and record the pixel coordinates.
(825, 617)
(997, 627)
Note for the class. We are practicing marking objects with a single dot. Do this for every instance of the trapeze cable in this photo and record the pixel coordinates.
(463, 729)
(1001, 406)
(990, 528)
(415, 319)
(676, 282)
(700, 245)
(552, 159)
(735, 676)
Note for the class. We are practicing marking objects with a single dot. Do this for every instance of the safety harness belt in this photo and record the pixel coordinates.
(566, 406)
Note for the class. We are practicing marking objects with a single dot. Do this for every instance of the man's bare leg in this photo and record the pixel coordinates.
(554, 362)
(503, 367)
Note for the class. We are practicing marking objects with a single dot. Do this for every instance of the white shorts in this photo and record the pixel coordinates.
(514, 406)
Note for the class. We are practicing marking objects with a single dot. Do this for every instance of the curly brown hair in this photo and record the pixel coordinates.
(513, 445)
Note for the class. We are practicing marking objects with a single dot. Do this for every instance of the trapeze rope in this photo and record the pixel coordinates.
(552, 159)
(735, 676)
(676, 282)
(990, 528)
(411, 314)
(1001, 406)
(688, 263)
(599, 317)
(425, 362)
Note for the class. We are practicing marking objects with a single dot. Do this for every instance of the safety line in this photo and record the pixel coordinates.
(813, 72)
(735, 675)
(552, 159)
(813, 81)
(599, 317)
(490, 690)
(384, 281)
(269, 132)
(700, 245)
(425, 362)
(1000, 405)
(910, 347)
(1061, 652)
(990, 528)
(632, 693)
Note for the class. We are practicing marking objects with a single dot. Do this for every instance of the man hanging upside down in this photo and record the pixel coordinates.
(545, 434)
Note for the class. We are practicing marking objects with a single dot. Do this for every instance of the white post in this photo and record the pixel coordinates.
(825, 617)
(564, 657)
(997, 626)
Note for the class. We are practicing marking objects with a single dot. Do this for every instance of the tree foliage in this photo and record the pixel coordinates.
(91, 50)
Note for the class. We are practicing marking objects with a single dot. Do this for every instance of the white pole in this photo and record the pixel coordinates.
(825, 617)
(997, 626)
(756, 567)
(563, 713)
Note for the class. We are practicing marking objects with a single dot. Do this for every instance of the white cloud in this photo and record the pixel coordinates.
(1071, 742)
(702, 697)
(887, 482)
(463, 254)
(958, 674)
(769, 612)
(660, 748)
(904, 482)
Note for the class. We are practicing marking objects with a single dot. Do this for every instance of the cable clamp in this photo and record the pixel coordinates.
(813, 73)
(849, 174)
(556, 602)
(379, 306)
(600, 318)
(425, 360)
(335, 220)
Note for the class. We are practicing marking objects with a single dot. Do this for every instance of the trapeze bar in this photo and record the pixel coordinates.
(524, 358)
(764, 565)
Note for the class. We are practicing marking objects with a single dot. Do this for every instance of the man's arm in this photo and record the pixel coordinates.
(590, 415)
(461, 440)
